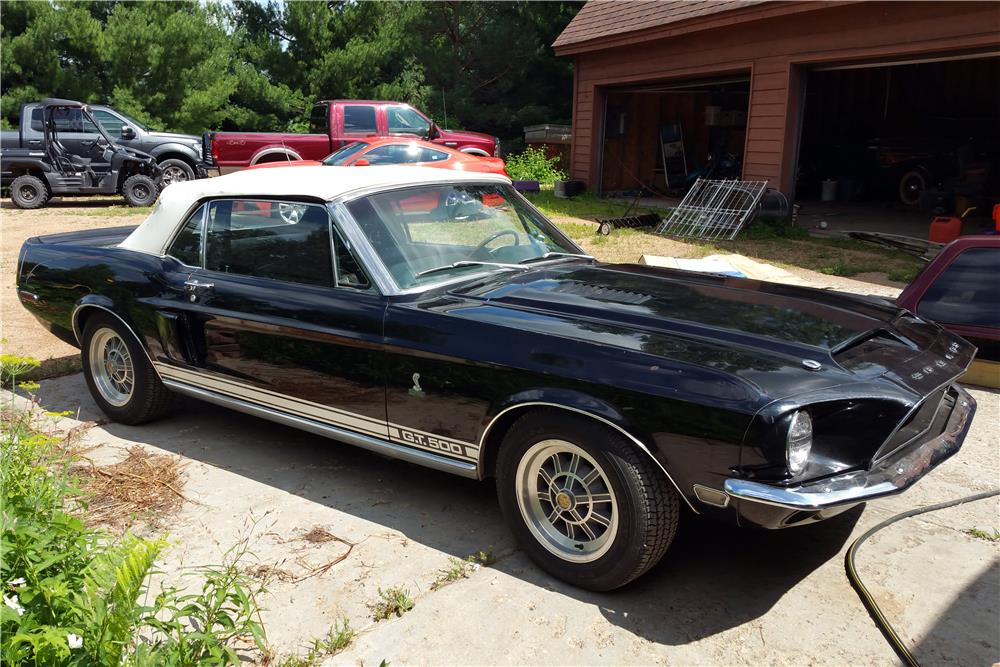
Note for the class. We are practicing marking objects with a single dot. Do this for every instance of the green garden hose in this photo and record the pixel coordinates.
(852, 574)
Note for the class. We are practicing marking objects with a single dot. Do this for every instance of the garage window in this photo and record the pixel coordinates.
(287, 241)
(966, 292)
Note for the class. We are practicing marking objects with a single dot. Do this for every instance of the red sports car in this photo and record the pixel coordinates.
(400, 151)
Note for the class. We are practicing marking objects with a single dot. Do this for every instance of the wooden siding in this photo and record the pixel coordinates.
(777, 50)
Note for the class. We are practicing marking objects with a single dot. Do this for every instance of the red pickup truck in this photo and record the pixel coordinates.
(332, 125)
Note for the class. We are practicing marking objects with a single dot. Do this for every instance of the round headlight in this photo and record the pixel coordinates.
(800, 437)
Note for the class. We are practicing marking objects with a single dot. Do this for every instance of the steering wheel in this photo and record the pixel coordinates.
(481, 248)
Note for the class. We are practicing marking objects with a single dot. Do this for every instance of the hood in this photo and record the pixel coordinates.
(173, 136)
(465, 136)
(760, 331)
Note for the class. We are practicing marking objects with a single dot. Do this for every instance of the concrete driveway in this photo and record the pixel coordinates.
(721, 595)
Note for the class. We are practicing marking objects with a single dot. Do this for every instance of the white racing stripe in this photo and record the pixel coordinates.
(397, 433)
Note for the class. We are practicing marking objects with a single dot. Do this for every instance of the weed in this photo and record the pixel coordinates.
(532, 165)
(984, 535)
(336, 640)
(394, 601)
(462, 569)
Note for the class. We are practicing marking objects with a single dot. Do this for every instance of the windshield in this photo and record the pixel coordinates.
(344, 154)
(432, 233)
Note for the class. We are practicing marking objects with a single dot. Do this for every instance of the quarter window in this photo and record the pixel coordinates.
(359, 118)
(966, 292)
(319, 119)
(186, 248)
(287, 241)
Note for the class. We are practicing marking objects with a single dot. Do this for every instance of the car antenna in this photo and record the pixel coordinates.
(288, 158)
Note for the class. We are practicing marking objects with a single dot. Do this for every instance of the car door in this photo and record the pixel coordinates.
(270, 307)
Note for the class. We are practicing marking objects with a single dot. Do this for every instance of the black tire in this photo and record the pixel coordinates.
(140, 190)
(175, 171)
(148, 399)
(647, 505)
(912, 186)
(29, 192)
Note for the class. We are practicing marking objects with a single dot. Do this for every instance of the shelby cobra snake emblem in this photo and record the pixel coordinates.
(415, 390)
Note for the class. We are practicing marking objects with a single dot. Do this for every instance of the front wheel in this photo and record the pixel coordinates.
(175, 171)
(912, 186)
(29, 192)
(582, 501)
(140, 190)
(119, 376)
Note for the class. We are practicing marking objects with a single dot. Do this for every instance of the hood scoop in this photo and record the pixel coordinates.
(609, 294)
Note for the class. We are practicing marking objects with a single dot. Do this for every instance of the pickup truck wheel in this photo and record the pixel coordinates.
(175, 171)
(140, 190)
(582, 501)
(118, 373)
(29, 192)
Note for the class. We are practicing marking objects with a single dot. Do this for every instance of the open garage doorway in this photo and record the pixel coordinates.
(701, 126)
(896, 143)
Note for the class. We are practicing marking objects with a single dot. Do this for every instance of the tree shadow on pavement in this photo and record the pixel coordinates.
(715, 577)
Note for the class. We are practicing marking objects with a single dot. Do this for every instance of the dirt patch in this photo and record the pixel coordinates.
(141, 485)
(20, 333)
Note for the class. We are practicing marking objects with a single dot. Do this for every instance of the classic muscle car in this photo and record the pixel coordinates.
(438, 317)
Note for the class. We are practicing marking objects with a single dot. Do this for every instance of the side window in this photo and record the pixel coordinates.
(186, 247)
(111, 123)
(392, 154)
(359, 118)
(404, 120)
(286, 241)
(36, 120)
(349, 272)
(319, 119)
(428, 155)
(72, 120)
(966, 292)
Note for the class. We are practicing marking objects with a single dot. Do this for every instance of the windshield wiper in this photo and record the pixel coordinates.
(550, 255)
(469, 262)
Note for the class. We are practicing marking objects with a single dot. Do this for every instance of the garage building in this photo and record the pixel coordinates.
(859, 96)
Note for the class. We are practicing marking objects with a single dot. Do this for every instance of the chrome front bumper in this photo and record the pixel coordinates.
(894, 475)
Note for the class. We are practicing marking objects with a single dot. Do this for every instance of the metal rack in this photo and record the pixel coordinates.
(714, 209)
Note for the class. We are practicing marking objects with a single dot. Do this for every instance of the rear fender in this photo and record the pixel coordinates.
(94, 303)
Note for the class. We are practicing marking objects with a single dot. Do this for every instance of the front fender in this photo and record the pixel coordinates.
(165, 149)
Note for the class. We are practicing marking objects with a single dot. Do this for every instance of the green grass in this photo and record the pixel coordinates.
(587, 206)
(117, 211)
(336, 640)
(394, 601)
(984, 535)
(462, 569)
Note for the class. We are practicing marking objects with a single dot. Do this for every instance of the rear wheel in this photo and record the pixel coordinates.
(140, 190)
(582, 501)
(912, 186)
(119, 376)
(175, 171)
(29, 192)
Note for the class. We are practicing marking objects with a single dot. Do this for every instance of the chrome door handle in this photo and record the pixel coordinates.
(197, 286)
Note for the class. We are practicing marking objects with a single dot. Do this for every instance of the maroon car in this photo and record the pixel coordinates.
(332, 125)
(960, 289)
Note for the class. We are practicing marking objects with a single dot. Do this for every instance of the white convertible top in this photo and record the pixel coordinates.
(323, 182)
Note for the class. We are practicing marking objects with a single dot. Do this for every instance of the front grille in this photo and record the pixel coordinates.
(927, 421)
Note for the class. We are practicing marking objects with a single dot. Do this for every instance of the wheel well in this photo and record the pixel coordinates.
(276, 157)
(78, 320)
(29, 171)
(175, 156)
(475, 151)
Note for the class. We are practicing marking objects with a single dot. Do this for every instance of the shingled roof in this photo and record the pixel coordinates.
(602, 18)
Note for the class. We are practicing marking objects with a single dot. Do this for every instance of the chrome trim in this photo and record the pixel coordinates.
(710, 496)
(638, 443)
(372, 444)
(888, 478)
(365, 253)
(79, 343)
(284, 150)
(478, 152)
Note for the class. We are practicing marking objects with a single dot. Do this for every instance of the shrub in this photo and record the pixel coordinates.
(72, 594)
(532, 165)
